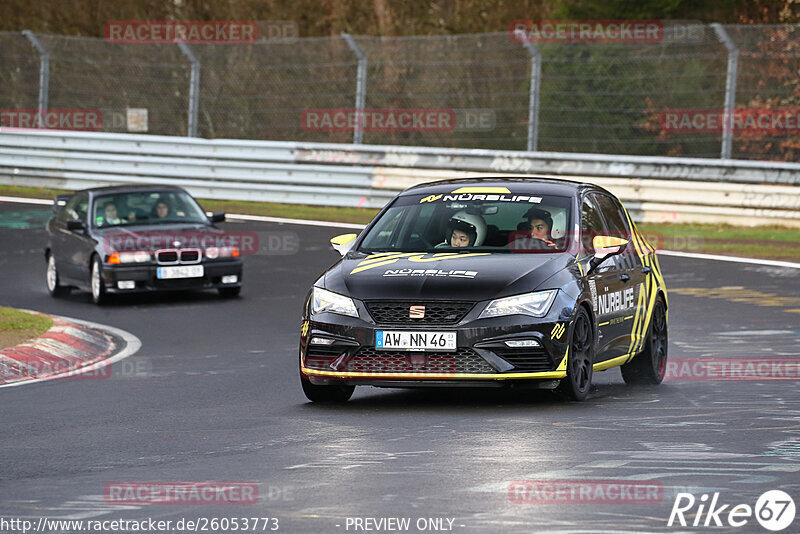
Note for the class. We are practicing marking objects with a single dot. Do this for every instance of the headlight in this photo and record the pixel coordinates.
(323, 300)
(139, 256)
(213, 253)
(535, 304)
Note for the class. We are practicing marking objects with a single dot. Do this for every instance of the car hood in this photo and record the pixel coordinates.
(159, 236)
(450, 276)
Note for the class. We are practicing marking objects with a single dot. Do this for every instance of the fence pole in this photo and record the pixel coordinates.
(730, 89)
(44, 75)
(194, 89)
(361, 87)
(533, 100)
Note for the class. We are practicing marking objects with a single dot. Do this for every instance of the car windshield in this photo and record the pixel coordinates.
(499, 221)
(146, 208)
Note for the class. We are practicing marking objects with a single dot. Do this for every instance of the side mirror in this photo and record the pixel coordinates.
(217, 216)
(604, 247)
(343, 243)
(73, 225)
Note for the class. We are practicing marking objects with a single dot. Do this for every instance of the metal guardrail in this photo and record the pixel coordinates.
(510, 91)
(678, 189)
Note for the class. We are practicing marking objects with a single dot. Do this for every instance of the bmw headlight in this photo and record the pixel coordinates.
(323, 300)
(535, 304)
(213, 253)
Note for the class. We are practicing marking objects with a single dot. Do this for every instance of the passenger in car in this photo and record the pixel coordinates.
(464, 230)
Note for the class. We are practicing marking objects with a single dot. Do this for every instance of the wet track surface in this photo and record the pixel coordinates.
(213, 395)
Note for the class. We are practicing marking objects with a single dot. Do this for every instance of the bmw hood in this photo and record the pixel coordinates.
(153, 237)
(443, 276)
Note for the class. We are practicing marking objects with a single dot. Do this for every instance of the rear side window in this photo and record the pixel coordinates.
(76, 208)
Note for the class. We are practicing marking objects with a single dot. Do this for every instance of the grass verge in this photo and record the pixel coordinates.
(17, 326)
(769, 242)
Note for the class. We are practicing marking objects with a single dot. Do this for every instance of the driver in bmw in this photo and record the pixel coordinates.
(464, 230)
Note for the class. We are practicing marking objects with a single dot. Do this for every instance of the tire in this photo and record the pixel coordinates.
(229, 292)
(98, 287)
(53, 281)
(578, 382)
(326, 394)
(650, 365)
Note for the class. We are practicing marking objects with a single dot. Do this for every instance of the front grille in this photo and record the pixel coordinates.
(526, 360)
(320, 357)
(167, 256)
(397, 312)
(464, 360)
(190, 255)
(171, 256)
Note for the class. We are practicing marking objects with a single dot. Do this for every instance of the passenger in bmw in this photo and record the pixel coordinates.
(464, 229)
(162, 209)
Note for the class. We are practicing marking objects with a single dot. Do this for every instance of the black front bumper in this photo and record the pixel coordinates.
(145, 277)
(482, 357)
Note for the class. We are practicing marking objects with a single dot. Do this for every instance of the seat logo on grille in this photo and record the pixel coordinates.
(416, 312)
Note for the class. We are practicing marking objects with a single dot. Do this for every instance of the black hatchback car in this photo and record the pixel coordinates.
(127, 239)
(487, 282)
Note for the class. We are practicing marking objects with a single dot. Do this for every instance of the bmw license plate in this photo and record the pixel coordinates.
(405, 340)
(179, 271)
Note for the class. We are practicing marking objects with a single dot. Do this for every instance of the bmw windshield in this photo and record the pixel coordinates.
(146, 208)
(465, 222)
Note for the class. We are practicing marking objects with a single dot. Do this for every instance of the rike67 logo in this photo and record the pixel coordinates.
(774, 510)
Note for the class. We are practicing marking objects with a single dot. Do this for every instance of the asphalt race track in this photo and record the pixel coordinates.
(214, 395)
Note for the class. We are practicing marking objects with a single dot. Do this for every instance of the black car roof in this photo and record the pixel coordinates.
(130, 188)
(539, 184)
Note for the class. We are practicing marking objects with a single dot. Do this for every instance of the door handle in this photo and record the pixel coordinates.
(646, 270)
(624, 277)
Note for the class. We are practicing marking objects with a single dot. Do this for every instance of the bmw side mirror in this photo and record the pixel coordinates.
(74, 225)
(604, 247)
(343, 243)
(217, 217)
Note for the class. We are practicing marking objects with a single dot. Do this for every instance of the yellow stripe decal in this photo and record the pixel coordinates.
(563, 365)
(496, 190)
(602, 366)
(637, 316)
(501, 376)
(383, 257)
(371, 265)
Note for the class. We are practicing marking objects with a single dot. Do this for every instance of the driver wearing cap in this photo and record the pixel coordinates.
(540, 224)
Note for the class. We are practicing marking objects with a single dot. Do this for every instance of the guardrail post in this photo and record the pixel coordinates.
(361, 87)
(44, 75)
(730, 89)
(533, 100)
(194, 89)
